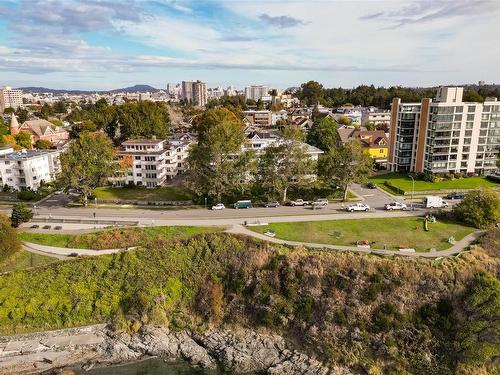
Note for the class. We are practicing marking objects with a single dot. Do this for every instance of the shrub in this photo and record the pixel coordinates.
(9, 243)
(26, 195)
(20, 214)
(479, 208)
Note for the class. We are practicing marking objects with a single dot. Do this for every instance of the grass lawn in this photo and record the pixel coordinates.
(114, 238)
(403, 182)
(24, 259)
(166, 193)
(393, 232)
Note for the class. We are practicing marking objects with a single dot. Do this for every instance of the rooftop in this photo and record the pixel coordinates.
(143, 142)
(26, 154)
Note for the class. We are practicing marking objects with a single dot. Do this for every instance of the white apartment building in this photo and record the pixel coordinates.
(256, 92)
(280, 115)
(195, 92)
(26, 169)
(444, 135)
(259, 140)
(153, 162)
(376, 117)
(10, 98)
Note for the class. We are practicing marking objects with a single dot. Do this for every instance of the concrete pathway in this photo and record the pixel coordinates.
(455, 249)
(64, 253)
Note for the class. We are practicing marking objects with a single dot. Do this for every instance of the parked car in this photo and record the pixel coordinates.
(371, 185)
(35, 226)
(272, 204)
(46, 227)
(320, 203)
(218, 206)
(299, 202)
(358, 207)
(395, 206)
(456, 195)
(58, 227)
(243, 204)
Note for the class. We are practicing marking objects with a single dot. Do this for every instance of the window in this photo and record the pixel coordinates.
(139, 174)
(138, 166)
(137, 158)
(381, 151)
(471, 108)
(470, 117)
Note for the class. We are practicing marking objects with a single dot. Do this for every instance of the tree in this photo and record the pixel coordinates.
(23, 139)
(43, 144)
(89, 161)
(344, 120)
(4, 128)
(217, 163)
(46, 111)
(472, 96)
(60, 107)
(8, 111)
(480, 208)
(311, 93)
(9, 243)
(370, 125)
(22, 115)
(283, 165)
(55, 121)
(143, 119)
(323, 134)
(344, 165)
(20, 214)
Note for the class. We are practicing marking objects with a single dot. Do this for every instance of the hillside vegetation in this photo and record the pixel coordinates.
(375, 315)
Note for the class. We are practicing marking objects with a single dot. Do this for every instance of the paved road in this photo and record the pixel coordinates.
(54, 207)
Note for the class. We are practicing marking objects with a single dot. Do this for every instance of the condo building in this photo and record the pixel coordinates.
(10, 98)
(256, 92)
(444, 135)
(195, 92)
(26, 169)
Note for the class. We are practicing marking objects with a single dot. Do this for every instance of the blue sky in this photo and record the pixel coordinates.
(106, 44)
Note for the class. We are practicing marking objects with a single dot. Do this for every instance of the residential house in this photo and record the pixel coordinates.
(40, 130)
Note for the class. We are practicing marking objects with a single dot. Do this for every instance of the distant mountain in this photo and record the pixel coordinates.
(136, 88)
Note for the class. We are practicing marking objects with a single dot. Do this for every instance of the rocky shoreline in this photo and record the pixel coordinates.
(238, 351)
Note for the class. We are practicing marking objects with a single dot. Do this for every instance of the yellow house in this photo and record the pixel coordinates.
(375, 142)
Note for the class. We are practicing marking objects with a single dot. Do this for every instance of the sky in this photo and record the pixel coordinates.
(108, 44)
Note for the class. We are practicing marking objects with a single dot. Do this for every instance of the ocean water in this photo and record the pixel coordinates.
(151, 367)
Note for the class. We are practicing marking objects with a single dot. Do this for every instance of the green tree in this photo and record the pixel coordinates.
(22, 115)
(88, 162)
(344, 165)
(143, 119)
(46, 111)
(60, 107)
(480, 208)
(55, 121)
(472, 96)
(311, 93)
(8, 111)
(283, 165)
(344, 120)
(43, 144)
(217, 164)
(23, 139)
(4, 127)
(20, 214)
(323, 134)
(370, 125)
(9, 243)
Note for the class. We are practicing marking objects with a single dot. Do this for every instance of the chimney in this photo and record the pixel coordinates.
(14, 125)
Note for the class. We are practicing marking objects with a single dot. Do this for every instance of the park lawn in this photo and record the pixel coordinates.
(23, 260)
(165, 193)
(407, 232)
(403, 182)
(114, 238)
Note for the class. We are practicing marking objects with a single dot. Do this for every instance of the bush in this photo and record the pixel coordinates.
(9, 243)
(20, 214)
(479, 208)
(26, 195)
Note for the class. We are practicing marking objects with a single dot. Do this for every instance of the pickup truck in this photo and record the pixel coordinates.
(299, 202)
(358, 207)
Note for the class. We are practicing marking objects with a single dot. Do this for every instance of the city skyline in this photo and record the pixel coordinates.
(101, 45)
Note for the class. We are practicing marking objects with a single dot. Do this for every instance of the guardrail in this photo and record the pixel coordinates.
(83, 221)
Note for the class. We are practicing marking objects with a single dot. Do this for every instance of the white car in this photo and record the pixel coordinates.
(395, 206)
(218, 206)
(358, 207)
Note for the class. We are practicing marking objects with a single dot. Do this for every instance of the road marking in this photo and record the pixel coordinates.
(368, 195)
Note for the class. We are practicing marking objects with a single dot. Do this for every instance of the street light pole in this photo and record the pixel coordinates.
(412, 190)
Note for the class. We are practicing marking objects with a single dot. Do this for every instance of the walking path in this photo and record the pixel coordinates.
(62, 252)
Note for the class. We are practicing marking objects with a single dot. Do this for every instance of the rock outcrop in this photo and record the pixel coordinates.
(238, 351)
